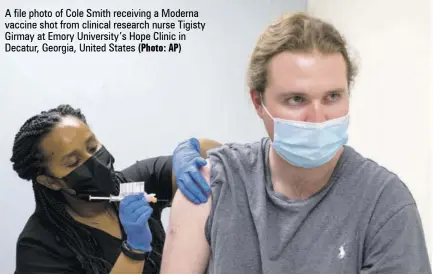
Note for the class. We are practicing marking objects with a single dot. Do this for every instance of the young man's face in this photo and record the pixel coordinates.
(310, 87)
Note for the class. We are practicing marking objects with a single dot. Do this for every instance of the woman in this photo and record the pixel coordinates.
(67, 233)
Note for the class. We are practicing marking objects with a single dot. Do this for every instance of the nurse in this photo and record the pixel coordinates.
(66, 162)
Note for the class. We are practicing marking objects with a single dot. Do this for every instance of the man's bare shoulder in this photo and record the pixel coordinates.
(186, 249)
(180, 202)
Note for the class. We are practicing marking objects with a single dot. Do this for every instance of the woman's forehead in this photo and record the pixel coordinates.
(68, 135)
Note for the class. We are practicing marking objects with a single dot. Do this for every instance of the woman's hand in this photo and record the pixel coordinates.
(134, 213)
(186, 166)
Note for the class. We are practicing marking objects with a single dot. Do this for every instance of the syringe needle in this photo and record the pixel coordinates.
(99, 198)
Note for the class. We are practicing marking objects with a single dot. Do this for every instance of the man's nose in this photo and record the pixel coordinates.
(316, 112)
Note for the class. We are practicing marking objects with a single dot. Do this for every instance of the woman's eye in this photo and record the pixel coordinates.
(73, 164)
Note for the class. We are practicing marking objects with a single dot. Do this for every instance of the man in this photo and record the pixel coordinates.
(300, 201)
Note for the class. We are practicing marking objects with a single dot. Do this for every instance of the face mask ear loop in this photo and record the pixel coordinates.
(264, 108)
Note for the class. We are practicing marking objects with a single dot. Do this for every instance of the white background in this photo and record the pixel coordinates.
(142, 105)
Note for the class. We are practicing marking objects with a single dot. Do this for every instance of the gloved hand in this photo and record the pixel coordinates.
(186, 165)
(134, 212)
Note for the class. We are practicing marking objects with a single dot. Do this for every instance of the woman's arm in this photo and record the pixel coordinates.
(156, 173)
(33, 256)
(159, 175)
(125, 265)
(205, 146)
(134, 213)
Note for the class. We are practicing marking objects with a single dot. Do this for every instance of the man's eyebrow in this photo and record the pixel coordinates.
(292, 93)
(337, 90)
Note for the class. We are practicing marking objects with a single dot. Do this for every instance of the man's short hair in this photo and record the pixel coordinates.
(300, 33)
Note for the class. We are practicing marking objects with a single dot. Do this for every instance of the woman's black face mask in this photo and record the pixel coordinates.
(95, 177)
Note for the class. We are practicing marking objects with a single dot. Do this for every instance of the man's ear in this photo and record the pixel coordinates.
(49, 182)
(257, 102)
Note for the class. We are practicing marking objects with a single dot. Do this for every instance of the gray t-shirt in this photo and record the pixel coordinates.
(364, 220)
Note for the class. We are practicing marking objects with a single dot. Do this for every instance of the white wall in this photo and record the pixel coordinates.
(431, 128)
(392, 99)
(139, 105)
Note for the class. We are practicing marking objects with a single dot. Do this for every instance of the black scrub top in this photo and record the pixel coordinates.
(40, 251)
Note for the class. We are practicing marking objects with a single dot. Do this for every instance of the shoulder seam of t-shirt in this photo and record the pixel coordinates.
(378, 166)
(391, 216)
(384, 168)
(395, 179)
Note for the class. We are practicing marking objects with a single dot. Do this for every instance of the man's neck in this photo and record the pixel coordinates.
(298, 183)
(86, 209)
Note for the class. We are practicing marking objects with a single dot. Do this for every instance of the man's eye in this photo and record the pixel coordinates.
(334, 96)
(296, 100)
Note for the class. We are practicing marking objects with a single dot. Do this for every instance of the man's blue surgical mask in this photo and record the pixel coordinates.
(308, 144)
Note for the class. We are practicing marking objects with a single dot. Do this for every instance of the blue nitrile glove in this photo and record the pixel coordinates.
(134, 212)
(186, 165)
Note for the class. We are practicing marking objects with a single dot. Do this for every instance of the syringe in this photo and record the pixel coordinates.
(112, 198)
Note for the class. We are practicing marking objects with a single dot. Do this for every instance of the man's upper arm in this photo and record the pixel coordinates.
(398, 246)
(186, 249)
